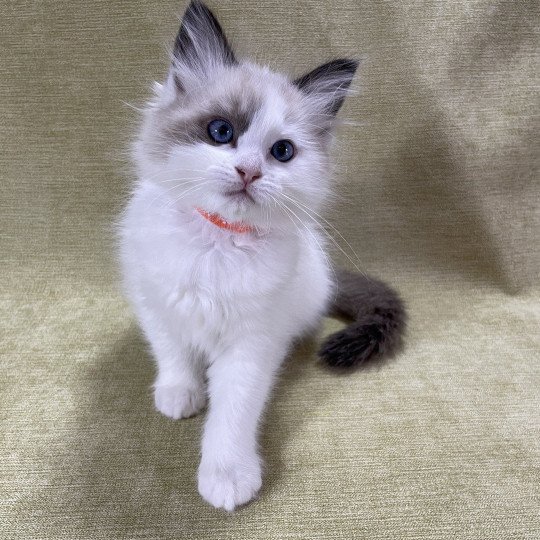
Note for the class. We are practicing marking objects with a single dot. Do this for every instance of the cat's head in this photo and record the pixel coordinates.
(236, 138)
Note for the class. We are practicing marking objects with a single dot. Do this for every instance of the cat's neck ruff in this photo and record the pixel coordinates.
(222, 223)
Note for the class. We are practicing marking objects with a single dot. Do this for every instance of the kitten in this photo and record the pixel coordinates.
(222, 258)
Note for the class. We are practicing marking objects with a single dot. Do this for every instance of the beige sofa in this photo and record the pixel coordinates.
(438, 170)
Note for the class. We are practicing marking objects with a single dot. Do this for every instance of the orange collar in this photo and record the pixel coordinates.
(222, 223)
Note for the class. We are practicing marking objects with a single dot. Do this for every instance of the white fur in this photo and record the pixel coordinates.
(217, 305)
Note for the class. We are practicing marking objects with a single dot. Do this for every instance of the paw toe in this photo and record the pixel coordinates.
(229, 487)
(178, 402)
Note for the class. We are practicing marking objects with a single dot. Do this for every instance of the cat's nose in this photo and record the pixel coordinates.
(248, 174)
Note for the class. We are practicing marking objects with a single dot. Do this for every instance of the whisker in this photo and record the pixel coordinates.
(323, 251)
(170, 171)
(330, 237)
(308, 210)
(186, 192)
(171, 189)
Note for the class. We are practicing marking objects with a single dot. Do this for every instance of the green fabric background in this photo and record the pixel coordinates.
(438, 173)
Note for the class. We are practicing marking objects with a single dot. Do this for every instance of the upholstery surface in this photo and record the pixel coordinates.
(438, 172)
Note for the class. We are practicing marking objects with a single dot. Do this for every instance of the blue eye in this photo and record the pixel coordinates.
(220, 131)
(282, 150)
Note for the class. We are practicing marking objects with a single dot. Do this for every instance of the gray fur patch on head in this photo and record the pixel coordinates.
(234, 93)
(193, 126)
(206, 82)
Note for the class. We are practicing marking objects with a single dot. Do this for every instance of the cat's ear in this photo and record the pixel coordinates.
(201, 43)
(199, 48)
(328, 84)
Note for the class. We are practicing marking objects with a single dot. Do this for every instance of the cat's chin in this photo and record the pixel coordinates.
(240, 197)
(240, 205)
(246, 209)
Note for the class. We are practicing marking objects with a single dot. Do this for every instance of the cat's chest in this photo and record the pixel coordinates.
(215, 289)
(193, 266)
(227, 268)
(224, 269)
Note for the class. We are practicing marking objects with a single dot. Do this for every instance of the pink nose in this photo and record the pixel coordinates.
(248, 175)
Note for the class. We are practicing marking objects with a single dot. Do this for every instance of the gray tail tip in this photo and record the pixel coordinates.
(372, 336)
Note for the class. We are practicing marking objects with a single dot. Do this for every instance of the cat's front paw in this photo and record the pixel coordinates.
(178, 401)
(229, 486)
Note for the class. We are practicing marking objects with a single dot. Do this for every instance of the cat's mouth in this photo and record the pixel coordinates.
(240, 195)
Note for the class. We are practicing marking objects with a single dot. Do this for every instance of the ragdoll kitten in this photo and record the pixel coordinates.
(222, 258)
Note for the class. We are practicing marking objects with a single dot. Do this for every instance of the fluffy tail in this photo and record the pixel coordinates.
(378, 320)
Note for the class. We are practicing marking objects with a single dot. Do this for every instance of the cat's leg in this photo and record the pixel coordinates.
(179, 385)
(178, 388)
(239, 383)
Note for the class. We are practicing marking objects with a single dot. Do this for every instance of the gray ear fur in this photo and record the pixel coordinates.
(201, 40)
(329, 83)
